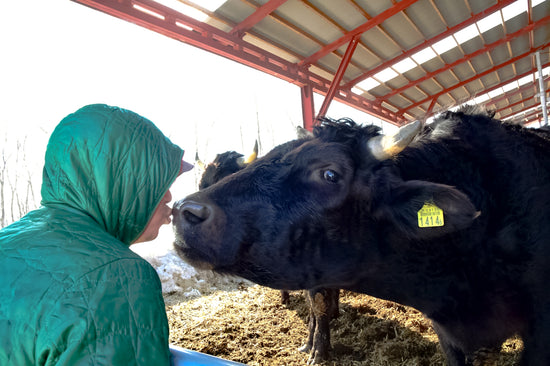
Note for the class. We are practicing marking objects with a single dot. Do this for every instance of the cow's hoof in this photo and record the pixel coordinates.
(306, 348)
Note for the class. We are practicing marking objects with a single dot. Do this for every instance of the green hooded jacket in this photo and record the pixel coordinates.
(71, 290)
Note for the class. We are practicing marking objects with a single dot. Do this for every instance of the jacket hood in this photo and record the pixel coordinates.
(113, 165)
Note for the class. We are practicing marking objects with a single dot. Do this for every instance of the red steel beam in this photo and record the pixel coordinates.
(175, 25)
(478, 76)
(532, 120)
(256, 17)
(308, 110)
(521, 89)
(335, 85)
(467, 57)
(528, 119)
(538, 119)
(513, 113)
(373, 22)
(509, 106)
(512, 92)
(533, 105)
(430, 109)
(428, 43)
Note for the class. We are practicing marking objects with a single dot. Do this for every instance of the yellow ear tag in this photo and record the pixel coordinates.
(430, 216)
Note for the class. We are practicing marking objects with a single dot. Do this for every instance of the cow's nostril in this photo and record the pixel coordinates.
(195, 213)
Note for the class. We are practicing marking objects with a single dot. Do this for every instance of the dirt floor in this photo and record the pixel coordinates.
(248, 324)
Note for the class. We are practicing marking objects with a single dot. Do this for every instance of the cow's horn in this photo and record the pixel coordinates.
(254, 154)
(384, 147)
(198, 161)
(302, 133)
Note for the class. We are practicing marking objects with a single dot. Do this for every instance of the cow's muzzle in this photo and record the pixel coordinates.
(192, 212)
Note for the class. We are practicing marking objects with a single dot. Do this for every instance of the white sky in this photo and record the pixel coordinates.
(57, 56)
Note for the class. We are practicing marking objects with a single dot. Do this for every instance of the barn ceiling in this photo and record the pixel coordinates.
(396, 60)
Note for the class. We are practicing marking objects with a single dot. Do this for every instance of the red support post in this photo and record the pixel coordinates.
(308, 110)
(335, 85)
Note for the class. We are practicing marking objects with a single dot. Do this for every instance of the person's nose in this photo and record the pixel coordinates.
(167, 197)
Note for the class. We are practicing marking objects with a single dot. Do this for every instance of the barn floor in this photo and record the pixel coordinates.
(249, 324)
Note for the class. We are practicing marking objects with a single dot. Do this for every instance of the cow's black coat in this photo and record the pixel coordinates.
(322, 212)
(223, 165)
(324, 303)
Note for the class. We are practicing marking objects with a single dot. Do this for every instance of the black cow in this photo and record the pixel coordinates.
(455, 224)
(324, 303)
(223, 165)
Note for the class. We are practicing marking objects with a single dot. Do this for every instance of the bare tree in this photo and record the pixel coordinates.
(3, 168)
(17, 196)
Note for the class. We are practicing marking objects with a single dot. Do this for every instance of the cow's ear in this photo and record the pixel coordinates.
(424, 210)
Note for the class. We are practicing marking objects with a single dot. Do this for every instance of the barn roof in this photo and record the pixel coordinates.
(396, 60)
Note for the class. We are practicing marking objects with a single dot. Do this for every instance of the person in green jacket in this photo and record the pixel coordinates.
(71, 290)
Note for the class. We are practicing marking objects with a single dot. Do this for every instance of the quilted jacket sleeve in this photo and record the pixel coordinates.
(113, 315)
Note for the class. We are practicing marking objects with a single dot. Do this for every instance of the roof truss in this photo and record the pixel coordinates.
(328, 70)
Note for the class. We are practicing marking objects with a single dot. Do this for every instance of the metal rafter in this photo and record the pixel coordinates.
(428, 43)
(228, 41)
(379, 27)
(481, 51)
(474, 78)
(534, 106)
(380, 18)
(512, 92)
(522, 102)
(511, 106)
(508, 95)
(256, 17)
(299, 32)
(334, 24)
(339, 74)
(174, 25)
(420, 66)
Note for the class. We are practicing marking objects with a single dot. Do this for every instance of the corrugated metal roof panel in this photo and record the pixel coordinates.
(311, 38)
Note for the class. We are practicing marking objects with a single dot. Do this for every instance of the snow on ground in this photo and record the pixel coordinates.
(176, 275)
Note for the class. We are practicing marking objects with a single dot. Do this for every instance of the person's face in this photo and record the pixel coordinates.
(160, 217)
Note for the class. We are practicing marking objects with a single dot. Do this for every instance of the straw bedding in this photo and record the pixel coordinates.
(248, 324)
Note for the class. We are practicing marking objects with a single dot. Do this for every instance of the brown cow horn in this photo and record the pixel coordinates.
(254, 154)
(384, 147)
(198, 161)
(302, 133)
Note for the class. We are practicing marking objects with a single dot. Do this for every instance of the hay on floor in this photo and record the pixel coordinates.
(248, 324)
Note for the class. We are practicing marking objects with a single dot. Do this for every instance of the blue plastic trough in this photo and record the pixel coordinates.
(185, 357)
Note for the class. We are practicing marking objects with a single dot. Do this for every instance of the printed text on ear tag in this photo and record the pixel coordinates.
(430, 216)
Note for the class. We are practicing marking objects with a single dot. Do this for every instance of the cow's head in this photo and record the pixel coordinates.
(312, 210)
(223, 165)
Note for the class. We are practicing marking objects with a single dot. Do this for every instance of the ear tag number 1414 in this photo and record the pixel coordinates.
(430, 216)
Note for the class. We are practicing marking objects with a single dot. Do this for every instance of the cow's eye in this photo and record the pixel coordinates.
(331, 176)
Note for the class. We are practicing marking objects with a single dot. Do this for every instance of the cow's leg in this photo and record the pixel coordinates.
(535, 340)
(322, 310)
(333, 302)
(312, 324)
(285, 297)
(454, 356)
